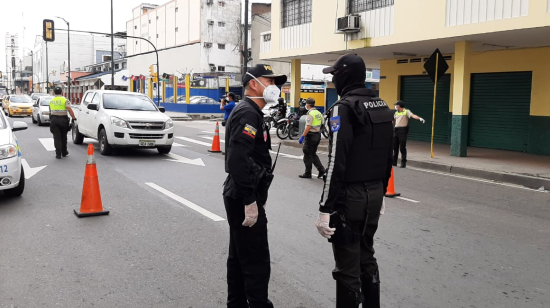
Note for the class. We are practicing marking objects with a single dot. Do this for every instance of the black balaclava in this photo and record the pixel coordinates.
(349, 78)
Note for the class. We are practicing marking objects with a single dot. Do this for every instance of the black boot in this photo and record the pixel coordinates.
(321, 174)
(346, 297)
(370, 287)
(305, 175)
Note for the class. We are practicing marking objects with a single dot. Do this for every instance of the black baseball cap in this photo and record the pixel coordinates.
(400, 104)
(264, 70)
(345, 61)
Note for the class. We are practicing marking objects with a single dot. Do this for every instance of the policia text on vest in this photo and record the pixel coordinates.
(59, 122)
(311, 139)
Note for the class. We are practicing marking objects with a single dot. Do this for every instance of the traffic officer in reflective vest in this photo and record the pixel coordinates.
(311, 139)
(359, 168)
(248, 164)
(402, 117)
(59, 122)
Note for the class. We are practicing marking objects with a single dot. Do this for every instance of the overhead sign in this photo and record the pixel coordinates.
(436, 64)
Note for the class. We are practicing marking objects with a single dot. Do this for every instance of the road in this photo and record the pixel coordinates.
(453, 242)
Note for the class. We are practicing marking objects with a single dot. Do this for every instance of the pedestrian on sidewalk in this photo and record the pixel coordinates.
(359, 168)
(311, 139)
(227, 105)
(59, 122)
(401, 132)
(248, 164)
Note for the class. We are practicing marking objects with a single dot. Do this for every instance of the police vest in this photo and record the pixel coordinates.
(402, 113)
(370, 154)
(317, 117)
(58, 106)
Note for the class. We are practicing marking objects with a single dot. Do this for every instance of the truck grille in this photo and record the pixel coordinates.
(147, 125)
(146, 136)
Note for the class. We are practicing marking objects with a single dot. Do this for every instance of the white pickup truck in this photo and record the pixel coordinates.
(122, 119)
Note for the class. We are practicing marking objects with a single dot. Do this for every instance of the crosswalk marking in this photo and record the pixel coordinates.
(194, 141)
(185, 202)
(47, 143)
(178, 145)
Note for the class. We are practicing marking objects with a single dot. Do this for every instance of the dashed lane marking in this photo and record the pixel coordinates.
(178, 145)
(407, 199)
(186, 202)
(194, 141)
(47, 143)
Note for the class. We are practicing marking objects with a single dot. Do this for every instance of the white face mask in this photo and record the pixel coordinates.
(271, 92)
(396, 108)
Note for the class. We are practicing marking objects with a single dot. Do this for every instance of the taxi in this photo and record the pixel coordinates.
(12, 175)
(18, 105)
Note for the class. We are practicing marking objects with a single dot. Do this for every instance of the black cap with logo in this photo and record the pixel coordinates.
(345, 61)
(264, 70)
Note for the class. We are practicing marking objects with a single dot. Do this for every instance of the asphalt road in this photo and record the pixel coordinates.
(455, 242)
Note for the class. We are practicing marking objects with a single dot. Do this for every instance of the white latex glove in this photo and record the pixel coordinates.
(422, 120)
(322, 225)
(250, 215)
(383, 209)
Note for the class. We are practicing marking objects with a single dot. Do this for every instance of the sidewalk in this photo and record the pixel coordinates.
(180, 116)
(524, 169)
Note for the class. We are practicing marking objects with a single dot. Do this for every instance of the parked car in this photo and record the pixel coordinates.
(18, 105)
(41, 110)
(181, 99)
(202, 100)
(122, 119)
(35, 96)
(12, 175)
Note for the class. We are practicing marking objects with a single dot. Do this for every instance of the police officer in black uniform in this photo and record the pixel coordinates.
(360, 162)
(248, 164)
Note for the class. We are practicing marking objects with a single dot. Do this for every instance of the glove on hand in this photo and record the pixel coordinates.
(250, 214)
(301, 140)
(422, 120)
(322, 225)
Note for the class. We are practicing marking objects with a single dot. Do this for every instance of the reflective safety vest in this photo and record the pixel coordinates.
(402, 113)
(57, 106)
(317, 118)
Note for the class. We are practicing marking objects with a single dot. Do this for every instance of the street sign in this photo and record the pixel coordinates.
(436, 64)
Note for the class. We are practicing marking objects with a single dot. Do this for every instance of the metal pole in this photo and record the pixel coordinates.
(32, 72)
(245, 51)
(113, 51)
(69, 42)
(47, 72)
(435, 100)
(158, 73)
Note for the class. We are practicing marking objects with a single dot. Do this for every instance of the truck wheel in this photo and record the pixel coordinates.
(164, 149)
(17, 191)
(78, 138)
(104, 147)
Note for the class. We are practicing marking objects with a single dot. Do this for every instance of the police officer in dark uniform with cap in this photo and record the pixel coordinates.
(360, 162)
(248, 164)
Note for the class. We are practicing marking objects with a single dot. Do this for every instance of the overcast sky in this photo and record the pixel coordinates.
(92, 15)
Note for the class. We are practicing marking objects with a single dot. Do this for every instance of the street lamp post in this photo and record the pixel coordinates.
(112, 51)
(69, 52)
(20, 74)
(47, 71)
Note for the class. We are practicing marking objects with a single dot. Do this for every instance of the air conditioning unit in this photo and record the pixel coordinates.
(210, 22)
(209, 2)
(349, 24)
(207, 45)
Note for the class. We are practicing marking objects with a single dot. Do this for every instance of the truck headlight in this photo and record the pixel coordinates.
(119, 122)
(168, 124)
(8, 151)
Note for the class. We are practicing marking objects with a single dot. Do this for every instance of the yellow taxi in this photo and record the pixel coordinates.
(18, 105)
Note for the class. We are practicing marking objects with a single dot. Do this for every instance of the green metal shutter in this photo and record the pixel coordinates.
(499, 111)
(418, 94)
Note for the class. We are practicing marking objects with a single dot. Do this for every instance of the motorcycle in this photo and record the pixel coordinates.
(283, 126)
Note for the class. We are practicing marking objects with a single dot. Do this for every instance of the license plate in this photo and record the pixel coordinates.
(147, 143)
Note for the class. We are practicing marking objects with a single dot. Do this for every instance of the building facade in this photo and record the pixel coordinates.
(495, 93)
(191, 36)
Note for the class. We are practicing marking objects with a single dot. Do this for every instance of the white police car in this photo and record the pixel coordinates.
(12, 175)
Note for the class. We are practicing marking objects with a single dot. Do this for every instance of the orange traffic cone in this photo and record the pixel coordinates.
(91, 196)
(390, 193)
(216, 141)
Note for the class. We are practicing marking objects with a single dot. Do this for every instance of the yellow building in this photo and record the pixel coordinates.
(496, 93)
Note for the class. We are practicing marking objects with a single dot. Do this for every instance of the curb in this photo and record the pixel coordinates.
(532, 182)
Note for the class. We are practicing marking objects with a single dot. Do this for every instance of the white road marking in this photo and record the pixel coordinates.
(407, 199)
(30, 172)
(272, 152)
(212, 138)
(194, 141)
(478, 180)
(185, 160)
(178, 145)
(185, 202)
(212, 132)
(47, 143)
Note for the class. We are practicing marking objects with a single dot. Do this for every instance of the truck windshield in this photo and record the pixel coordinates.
(127, 102)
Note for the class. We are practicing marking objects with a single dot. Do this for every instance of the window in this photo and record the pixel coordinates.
(106, 58)
(221, 3)
(157, 35)
(135, 27)
(157, 18)
(221, 23)
(296, 12)
(221, 68)
(221, 46)
(176, 29)
(116, 66)
(176, 9)
(88, 98)
(356, 6)
(149, 21)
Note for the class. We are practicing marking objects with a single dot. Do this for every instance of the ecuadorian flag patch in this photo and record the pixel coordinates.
(250, 131)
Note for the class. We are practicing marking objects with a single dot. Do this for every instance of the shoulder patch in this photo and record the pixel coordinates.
(335, 123)
(250, 131)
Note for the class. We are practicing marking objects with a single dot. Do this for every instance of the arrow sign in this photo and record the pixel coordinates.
(30, 172)
(184, 160)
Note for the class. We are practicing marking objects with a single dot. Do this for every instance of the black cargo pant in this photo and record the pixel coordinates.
(248, 262)
(59, 127)
(400, 143)
(361, 204)
(311, 143)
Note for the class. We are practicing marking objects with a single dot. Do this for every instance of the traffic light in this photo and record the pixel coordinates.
(48, 33)
(155, 77)
(151, 70)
